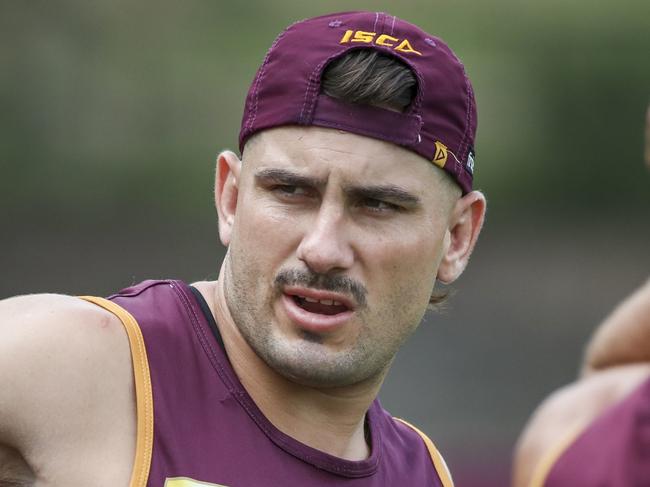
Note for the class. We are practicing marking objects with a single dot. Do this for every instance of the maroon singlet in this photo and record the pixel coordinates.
(614, 451)
(208, 431)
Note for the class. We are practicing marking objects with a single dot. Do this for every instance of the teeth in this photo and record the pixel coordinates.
(328, 302)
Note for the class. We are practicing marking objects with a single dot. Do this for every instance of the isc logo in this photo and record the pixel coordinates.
(382, 40)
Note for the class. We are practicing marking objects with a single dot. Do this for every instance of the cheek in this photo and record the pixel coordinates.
(263, 233)
(406, 267)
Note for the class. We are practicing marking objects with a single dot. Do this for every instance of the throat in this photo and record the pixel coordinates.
(345, 441)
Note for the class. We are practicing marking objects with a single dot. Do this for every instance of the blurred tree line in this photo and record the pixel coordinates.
(113, 105)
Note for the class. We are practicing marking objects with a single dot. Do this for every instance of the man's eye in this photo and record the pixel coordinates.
(290, 190)
(379, 205)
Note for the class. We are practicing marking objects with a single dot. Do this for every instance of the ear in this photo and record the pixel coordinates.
(226, 190)
(464, 226)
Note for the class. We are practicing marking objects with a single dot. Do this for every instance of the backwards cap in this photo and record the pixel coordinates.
(440, 123)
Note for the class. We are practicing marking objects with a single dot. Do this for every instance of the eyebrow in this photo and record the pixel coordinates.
(389, 192)
(288, 177)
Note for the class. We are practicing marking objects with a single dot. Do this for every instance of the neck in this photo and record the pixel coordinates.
(331, 420)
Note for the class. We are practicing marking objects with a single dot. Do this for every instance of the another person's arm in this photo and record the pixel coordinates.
(624, 337)
(616, 362)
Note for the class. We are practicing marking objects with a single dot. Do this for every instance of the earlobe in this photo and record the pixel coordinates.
(226, 191)
(464, 227)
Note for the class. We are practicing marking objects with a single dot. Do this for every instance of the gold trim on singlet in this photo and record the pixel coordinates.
(438, 462)
(188, 482)
(143, 394)
(548, 460)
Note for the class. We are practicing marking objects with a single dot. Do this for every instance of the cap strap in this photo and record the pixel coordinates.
(380, 123)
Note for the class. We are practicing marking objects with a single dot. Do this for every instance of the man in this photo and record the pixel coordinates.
(596, 431)
(352, 197)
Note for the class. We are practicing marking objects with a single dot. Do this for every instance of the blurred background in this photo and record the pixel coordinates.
(112, 113)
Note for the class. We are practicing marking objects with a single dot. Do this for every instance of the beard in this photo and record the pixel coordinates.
(303, 357)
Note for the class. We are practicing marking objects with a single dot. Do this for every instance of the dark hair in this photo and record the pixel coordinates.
(369, 77)
(438, 299)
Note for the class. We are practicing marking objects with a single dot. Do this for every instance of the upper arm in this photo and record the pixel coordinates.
(624, 336)
(617, 361)
(566, 412)
(64, 371)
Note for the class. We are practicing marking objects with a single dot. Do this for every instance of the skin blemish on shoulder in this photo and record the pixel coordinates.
(101, 318)
(105, 322)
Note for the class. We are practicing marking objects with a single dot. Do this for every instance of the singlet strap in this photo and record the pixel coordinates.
(143, 391)
(438, 462)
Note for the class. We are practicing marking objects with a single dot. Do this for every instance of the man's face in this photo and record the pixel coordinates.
(334, 249)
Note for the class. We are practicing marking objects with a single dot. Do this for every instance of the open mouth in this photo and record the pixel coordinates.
(317, 311)
(320, 306)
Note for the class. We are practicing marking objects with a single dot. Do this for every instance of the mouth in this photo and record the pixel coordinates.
(315, 310)
(322, 307)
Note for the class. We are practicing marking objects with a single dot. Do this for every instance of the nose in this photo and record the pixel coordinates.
(325, 246)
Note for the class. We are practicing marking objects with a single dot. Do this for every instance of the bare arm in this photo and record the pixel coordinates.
(624, 336)
(66, 394)
(616, 362)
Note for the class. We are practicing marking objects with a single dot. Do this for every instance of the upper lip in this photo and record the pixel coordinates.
(320, 295)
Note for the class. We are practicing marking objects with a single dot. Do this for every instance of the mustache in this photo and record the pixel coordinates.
(325, 282)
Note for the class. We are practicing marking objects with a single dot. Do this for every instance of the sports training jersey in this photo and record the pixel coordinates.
(613, 451)
(197, 425)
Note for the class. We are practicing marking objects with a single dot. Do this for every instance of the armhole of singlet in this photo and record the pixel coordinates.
(438, 462)
(143, 393)
(552, 455)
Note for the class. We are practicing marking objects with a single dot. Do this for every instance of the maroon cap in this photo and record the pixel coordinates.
(440, 124)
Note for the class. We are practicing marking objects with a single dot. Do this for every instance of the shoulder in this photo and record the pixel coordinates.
(60, 357)
(48, 310)
(47, 326)
(567, 412)
(44, 327)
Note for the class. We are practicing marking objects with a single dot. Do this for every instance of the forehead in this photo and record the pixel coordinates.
(326, 153)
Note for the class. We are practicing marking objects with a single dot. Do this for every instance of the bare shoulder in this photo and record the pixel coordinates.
(65, 372)
(48, 336)
(567, 411)
(51, 313)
